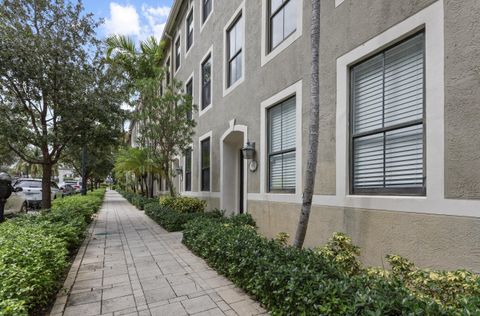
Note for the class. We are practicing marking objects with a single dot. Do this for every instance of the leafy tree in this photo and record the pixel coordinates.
(313, 128)
(49, 80)
(165, 126)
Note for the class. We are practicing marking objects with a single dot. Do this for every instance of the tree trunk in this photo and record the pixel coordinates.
(47, 186)
(150, 185)
(313, 128)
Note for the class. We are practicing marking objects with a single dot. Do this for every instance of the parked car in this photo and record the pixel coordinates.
(67, 189)
(32, 189)
(77, 185)
(17, 202)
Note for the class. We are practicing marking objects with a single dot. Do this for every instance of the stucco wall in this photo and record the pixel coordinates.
(441, 242)
(462, 99)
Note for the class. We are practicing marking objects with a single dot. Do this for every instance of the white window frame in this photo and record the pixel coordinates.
(179, 39)
(203, 23)
(338, 2)
(200, 111)
(296, 91)
(182, 186)
(191, 77)
(267, 56)
(200, 139)
(188, 50)
(226, 88)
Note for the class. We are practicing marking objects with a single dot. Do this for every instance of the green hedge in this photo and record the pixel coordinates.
(34, 251)
(136, 199)
(173, 220)
(184, 204)
(291, 281)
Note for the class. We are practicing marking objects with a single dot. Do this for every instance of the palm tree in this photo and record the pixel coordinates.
(313, 129)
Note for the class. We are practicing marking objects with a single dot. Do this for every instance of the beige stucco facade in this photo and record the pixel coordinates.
(440, 229)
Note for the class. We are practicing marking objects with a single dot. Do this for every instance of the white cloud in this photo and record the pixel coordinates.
(156, 18)
(124, 20)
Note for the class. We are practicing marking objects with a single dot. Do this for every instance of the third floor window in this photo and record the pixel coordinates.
(206, 9)
(282, 21)
(207, 82)
(189, 30)
(235, 50)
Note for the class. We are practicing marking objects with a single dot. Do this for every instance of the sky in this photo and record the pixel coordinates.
(136, 18)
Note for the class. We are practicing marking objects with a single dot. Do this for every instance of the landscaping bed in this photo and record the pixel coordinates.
(137, 200)
(327, 280)
(35, 252)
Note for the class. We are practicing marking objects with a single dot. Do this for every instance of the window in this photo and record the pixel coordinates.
(167, 74)
(178, 51)
(235, 50)
(205, 164)
(387, 121)
(206, 9)
(281, 146)
(188, 170)
(207, 82)
(189, 91)
(282, 21)
(189, 30)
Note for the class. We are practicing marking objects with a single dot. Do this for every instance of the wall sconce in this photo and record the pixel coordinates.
(249, 154)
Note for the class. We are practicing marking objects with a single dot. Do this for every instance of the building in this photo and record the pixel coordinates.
(399, 162)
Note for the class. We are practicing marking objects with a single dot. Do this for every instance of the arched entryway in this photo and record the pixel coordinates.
(233, 170)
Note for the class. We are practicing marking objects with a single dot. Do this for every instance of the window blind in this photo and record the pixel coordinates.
(387, 123)
(282, 139)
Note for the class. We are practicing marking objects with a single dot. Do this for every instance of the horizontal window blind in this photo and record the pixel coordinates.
(387, 120)
(282, 147)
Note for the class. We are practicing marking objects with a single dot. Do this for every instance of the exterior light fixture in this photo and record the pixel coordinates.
(249, 154)
(178, 171)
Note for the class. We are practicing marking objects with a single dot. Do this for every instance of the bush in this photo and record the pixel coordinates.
(34, 252)
(173, 220)
(291, 281)
(184, 204)
(137, 200)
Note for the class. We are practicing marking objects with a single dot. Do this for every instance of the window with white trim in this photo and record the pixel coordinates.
(178, 51)
(282, 21)
(235, 50)
(189, 92)
(189, 30)
(282, 147)
(206, 82)
(188, 170)
(206, 9)
(388, 121)
(205, 164)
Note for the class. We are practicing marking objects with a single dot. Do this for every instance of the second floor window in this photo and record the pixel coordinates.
(205, 164)
(282, 20)
(188, 170)
(235, 50)
(178, 51)
(189, 91)
(387, 121)
(189, 30)
(206, 9)
(207, 82)
(282, 146)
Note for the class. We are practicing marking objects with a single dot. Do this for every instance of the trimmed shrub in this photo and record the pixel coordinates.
(184, 204)
(136, 199)
(173, 220)
(291, 281)
(34, 252)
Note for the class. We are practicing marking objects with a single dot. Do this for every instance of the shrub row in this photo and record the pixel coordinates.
(34, 251)
(136, 199)
(326, 281)
(184, 204)
(173, 220)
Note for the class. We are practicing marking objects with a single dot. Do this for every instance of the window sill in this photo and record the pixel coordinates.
(233, 86)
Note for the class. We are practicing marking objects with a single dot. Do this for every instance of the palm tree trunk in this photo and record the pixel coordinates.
(313, 129)
(46, 186)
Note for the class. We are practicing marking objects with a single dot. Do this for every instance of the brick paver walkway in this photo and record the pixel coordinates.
(129, 265)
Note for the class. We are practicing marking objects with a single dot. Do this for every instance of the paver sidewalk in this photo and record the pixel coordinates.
(129, 265)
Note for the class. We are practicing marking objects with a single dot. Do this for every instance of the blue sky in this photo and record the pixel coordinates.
(136, 18)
